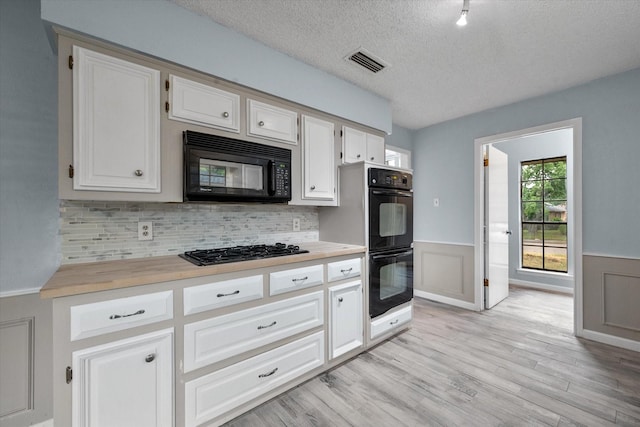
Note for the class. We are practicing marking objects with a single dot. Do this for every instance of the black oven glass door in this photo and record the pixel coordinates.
(390, 280)
(390, 219)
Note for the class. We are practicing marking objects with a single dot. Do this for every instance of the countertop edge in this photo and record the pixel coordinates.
(71, 279)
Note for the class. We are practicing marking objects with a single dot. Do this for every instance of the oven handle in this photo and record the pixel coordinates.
(409, 252)
(391, 193)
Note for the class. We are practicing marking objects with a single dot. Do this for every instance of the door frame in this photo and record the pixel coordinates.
(575, 215)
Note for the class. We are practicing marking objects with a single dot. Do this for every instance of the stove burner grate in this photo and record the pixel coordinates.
(240, 253)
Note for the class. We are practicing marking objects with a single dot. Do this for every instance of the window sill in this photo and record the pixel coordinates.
(541, 273)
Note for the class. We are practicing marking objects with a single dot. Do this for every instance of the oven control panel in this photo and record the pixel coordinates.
(387, 178)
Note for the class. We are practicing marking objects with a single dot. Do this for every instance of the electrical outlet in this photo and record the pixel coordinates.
(296, 224)
(436, 203)
(145, 230)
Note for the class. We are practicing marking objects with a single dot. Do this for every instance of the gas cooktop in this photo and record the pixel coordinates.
(240, 253)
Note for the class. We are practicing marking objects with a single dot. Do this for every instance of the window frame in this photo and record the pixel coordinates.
(545, 220)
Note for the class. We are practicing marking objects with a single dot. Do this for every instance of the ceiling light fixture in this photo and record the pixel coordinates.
(462, 21)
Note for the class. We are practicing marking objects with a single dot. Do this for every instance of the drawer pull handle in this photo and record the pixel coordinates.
(302, 279)
(394, 322)
(268, 374)
(150, 358)
(260, 123)
(346, 271)
(340, 299)
(118, 316)
(225, 114)
(226, 295)
(268, 326)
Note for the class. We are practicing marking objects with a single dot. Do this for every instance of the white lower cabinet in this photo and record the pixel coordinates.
(214, 394)
(219, 338)
(389, 322)
(126, 383)
(346, 313)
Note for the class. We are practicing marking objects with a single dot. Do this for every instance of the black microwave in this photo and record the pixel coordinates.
(222, 169)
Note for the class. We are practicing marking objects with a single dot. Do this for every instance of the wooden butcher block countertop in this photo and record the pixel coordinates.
(73, 279)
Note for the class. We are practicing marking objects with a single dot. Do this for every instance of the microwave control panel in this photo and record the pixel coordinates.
(282, 179)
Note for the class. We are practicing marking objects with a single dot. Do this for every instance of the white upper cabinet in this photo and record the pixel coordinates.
(116, 124)
(203, 105)
(268, 121)
(375, 148)
(319, 171)
(358, 146)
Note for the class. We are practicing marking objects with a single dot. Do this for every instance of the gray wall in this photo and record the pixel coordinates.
(28, 211)
(551, 144)
(28, 149)
(610, 151)
(166, 30)
(401, 137)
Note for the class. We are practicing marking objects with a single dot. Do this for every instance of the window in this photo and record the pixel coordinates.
(543, 197)
(398, 157)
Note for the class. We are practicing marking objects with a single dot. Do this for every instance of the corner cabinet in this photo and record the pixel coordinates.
(358, 146)
(116, 124)
(318, 162)
(125, 383)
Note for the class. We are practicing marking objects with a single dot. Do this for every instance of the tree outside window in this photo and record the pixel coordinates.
(543, 196)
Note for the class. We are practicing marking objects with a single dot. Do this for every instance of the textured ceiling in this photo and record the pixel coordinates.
(510, 50)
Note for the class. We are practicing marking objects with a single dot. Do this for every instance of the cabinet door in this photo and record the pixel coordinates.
(203, 105)
(116, 124)
(268, 121)
(319, 172)
(354, 145)
(125, 383)
(375, 148)
(346, 318)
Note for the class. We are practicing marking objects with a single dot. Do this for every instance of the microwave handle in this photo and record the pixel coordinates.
(271, 166)
(397, 193)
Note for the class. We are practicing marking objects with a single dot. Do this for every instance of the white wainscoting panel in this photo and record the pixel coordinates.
(16, 367)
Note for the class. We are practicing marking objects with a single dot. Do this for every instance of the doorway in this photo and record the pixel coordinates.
(573, 128)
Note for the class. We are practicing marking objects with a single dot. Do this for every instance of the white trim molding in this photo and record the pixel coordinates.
(444, 243)
(541, 286)
(446, 300)
(611, 340)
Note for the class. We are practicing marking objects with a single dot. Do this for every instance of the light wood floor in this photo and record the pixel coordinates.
(517, 364)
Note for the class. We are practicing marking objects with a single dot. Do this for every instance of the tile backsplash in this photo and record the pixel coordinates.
(100, 231)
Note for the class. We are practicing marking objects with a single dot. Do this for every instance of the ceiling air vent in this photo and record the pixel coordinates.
(367, 60)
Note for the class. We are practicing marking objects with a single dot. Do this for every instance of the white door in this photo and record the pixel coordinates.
(497, 228)
(116, 124)
(319, 174)
(346, 318)
(127, 383)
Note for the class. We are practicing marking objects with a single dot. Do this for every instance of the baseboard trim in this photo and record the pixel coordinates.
(541, 286)
(446, 300)
(611, 340)
(48, 423)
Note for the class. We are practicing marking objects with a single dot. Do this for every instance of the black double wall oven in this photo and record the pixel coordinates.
(390, 239)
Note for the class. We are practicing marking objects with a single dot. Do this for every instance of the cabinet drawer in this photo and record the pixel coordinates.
(221, 294)
(344, 269)
(272, 122)
(297, 278)
(390, 321)
(204, 105)
(217, 393)
(99, 318)
(219, 338)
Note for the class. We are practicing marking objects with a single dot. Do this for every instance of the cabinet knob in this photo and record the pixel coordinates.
(260, 123)
(138, 172)
(372, 158)
(358, 156)
(150, 358)
(340, 299)
(313, 187)
(225, 114)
